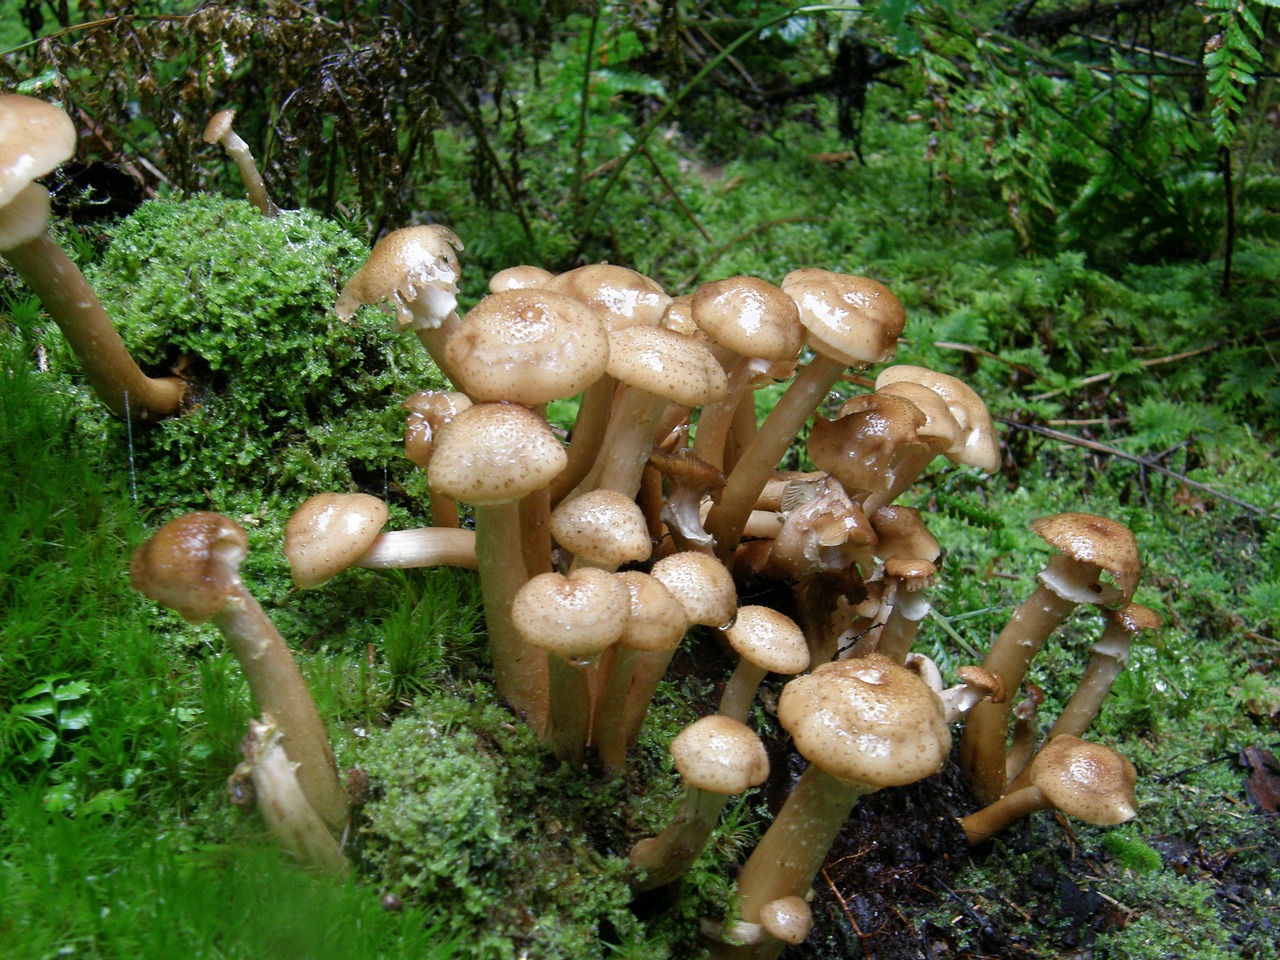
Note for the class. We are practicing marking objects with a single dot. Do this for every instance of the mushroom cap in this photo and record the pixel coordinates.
(1122, 626)
(1093, 544)
(494, 453)
(219, 125)
(750, 316)
(820, 519)
(429, 410)
(702, 585)
(855, 320)
(901, 533)
(1086, 780)
(720, 755)
(769, 639)
(788, 919)
(621, 296)
(603, 526)
(35, 137)
(191, 564)
(574, 615)
(521, 277)
(977, 446)
(24, 218)
(328, 533)
(530, 346)
(666, 364)
(862, 447)
(657, 622)
(679, 316)
(915, 573)
(415, 268)
(940, 427)
(866, 721)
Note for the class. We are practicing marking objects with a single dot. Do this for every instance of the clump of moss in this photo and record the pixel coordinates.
(473, 821)
(285, 398)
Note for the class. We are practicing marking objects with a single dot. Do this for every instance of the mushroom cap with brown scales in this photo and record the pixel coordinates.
(428, 411)
(750, 317)
(977, 446)
(190, 564)
(522, 277)
(1088, 781)
(862, 447)
(575, 615)
(602, 526)
(529, 346)
(900, 532)
(666, 364)
(1087, 545)
(328, 533)
(853, 319)
(416, 268)
(720, 755)
(621, 296)
(769, 639)
(657, 621)
(35, 138)
(494, 453)
(701, 584)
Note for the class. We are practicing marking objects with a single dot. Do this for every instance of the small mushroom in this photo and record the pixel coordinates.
(765, 641)
(218, 130)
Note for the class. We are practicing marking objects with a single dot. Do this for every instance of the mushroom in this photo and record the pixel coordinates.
(1090, 546)
(602, 528)
(518, 278)
(191, 565)
(429, 410)
(1084, 780)
(218, 130)
(863, 446)
(35, 137)
(766, 641)
(717, 757)
(863, 724)
(852, 321)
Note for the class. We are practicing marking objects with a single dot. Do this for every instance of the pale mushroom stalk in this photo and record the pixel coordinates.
(421, 547)
(569, 718)
(587, 436)
(218, 130)
(668, 856)
(740, 690)
(610, 728)
(627, 443)
(715, 420)
(1025, 736)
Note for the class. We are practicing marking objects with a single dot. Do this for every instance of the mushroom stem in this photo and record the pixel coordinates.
(996, 817)
(79, 314)
(740, 690)
(587, 436)
(219, 131)
(627, 443)
(423, 547)
(668, 856)
(569, 717)
(609, 733)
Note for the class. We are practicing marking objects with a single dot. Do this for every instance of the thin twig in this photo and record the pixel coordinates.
(644, 151)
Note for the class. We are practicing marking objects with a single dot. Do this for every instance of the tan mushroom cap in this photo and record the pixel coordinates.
(1086, 780)
(749, 316)
(989, 685)
(24, 218)
(679, 316)
(657, 622)
(529, 346)
(940, 426)
(853, 319)
(720, 755)
(701, 584)
(191, 564)
(415, 268)
(788, 919)
(769, 639)
(978, 446)
(521, 277)
(574, 615)
(429, 410)
(1092, 543)
(219, 125)
(328, 533)
(602, 526)
(915, 573)
(35, 137)
(494, 453)
(666, 364)
(902, 533)
(867, 722)
(622, 297)
(1122, 626)
(862, 447)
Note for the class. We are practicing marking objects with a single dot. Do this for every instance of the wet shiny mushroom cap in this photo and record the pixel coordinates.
(415, 268)
(702, 585)
(788, 919)
(666, 364)
(428, 411)
(35, 138)
(1086, 780)
(621, 296)
(720, 755)
(867, 722)
(977, 445)
(191, 564)
(901, 532)
(853, 319)
(861, 447)
(328, 533)
(1089, 544)
(749, 316)
(494, 453)
(657, 622)
(602, 526)
(574, 615)
(769, 639)
(521, 277)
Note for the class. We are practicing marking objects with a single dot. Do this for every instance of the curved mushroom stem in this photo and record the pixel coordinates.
(422, 547)
(79, 314)
(668, 856)
(984, 824)
(740, 690)
(219, 131)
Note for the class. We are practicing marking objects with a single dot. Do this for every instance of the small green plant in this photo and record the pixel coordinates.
(44, 715)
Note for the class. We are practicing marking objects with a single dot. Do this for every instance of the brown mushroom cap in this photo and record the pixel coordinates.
(749, 316)
(861, 447)
(521, 277)
(530, 346)
(24, 218)
(1092, 543)
(866, 721)
(191, 564)
(574, 615)
(666, 364)
(415, 268)
(977, 445)
(1086, 780)
(720, 755)
(940, 426)
(602, 526)
(854, 319)
(657, 622)
(788, 919)
(494, 453)
(901, 533)
(328, 533)
(769, 639)
(35, 137)
(701, 584)
(621, 296)
(219, 125)
(429, 410)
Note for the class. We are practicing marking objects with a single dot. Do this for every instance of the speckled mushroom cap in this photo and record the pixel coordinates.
(977, 446)
(657, 622)
(574, 615)
(1122, 626)
(788, 919)
(1086, 780)
(862, 447)
(621, 296)
(219, 125)
(702, 585)
(602, 526)
(853, 319)
(328, 533)
(530, 346)
(940, 427)
(521, 277)
(867, 722)
(769, 639)
(191, 564)
(428, 411)
(720, 755)
(35, 137)
(901, 533)
(415, 268)
(666, 364)
(750, 317)
(1089, 544)
(494, 453)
